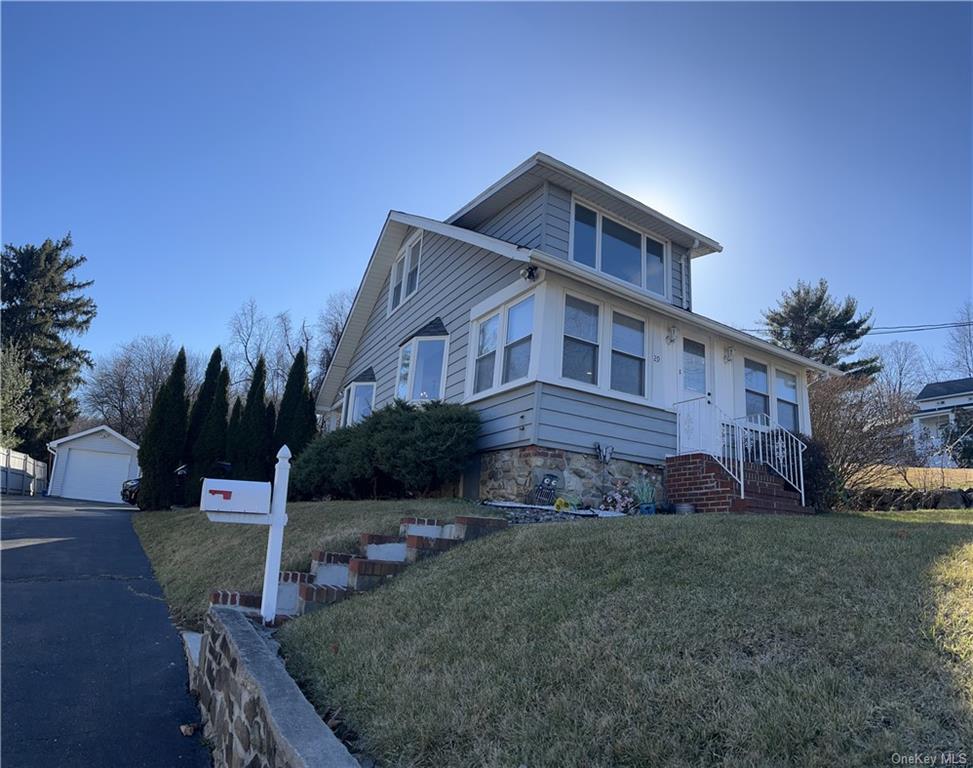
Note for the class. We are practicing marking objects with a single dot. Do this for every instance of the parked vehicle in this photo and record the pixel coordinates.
(130, 488)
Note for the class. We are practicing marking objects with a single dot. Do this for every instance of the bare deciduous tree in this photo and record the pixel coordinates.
(906, 367)
(959, 345)
(865, 429)
(121, 387)
(330, 324)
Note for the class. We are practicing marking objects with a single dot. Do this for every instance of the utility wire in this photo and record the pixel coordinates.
(883, 330)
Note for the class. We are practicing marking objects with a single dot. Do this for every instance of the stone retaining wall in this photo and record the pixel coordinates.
(254, 714)
(507, 474)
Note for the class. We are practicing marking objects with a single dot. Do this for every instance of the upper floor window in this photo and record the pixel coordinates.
(358, 402)
(602, 243)
(422, 370)
(514, 325)
(405, 272)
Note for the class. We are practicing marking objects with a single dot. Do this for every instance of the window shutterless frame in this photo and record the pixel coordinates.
(771, 395)
(404, 267)
(645, 235)
(348, 402)
(497, 356)
(406, 371)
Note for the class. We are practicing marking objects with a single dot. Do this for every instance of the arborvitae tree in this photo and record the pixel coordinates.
(210, 445)
(232, 452)
(161, 449)
(254, 440)
(43, 306)
(809, 321)
(296, 422)
(271, 424)
(201, 406)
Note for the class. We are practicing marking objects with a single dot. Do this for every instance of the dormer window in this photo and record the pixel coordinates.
(602, 243)
(405, 272)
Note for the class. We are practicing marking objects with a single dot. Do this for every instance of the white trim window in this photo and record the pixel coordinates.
(628, 354)
(756, 387)
(358, 402)
(405, 272)
(601, 242)
(788, 414)
(693, 366)
(514, 324)
(579, 358)
(422, 369)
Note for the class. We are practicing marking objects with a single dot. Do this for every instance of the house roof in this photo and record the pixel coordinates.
(397, 226)
(540, 168)
(84, 433)
(946, 389)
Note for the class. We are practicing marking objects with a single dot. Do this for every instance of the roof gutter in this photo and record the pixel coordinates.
(617, 287)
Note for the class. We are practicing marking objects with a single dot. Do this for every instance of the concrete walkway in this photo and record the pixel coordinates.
(93, 669)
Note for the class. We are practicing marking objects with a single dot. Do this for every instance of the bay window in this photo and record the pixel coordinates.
(358, 402)
(755, 385)
(422, 369)
(628, 355)
(405, 272)
(580, 355)
(787, 414)
(623, 252)
(514, 324)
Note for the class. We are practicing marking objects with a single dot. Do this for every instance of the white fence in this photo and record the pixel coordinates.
(21, 474)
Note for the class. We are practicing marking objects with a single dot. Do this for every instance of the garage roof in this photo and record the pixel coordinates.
(93, 430)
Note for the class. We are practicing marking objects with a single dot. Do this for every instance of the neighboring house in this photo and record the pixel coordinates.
(561, 309)
(92, 465)
(938, 404)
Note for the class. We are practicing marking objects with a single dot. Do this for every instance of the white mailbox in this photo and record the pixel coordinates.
(236, 501)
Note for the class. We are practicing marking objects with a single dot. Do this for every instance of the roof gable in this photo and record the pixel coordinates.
(541, 168)
(93, 430)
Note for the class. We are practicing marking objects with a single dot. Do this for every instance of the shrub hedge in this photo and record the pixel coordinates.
(400, 450)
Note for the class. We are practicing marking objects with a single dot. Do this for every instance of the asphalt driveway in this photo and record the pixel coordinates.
(93, 669)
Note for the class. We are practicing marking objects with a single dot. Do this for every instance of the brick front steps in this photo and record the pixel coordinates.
(700, 480)
(336, 576)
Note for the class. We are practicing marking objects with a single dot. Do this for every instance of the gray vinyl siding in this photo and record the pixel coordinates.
(506, 419)
(557, 221)
(680, 292)
(520, 222)
(453, 276)
(574, 421)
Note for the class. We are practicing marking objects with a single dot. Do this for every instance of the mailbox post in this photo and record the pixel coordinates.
(253, 503)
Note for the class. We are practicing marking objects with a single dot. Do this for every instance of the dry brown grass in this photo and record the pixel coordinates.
(920, 478)
(192, 556)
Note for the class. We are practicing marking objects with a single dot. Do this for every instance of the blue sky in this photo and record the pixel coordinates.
(201, 154)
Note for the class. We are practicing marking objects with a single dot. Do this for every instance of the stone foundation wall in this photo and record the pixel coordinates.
(508, 474)
(255, 715)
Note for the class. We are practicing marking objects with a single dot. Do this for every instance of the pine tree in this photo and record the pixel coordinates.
(254, 441)
(233, 435)
(296, 422)
(201, 406)
(210, 446)
(14, 394)
(809, 321)
(161, 449)
(44, 305)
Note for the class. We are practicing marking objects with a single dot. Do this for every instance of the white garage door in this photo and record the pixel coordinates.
(95, 476)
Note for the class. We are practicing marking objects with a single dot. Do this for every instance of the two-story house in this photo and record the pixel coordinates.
(938, 403)
(561, 310)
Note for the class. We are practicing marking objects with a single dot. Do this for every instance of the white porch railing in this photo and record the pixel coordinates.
(767, 442)
(703, 427)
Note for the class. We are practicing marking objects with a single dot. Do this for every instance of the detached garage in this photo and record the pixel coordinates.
(92, 465)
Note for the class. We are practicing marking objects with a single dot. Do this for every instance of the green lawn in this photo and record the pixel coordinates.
(700, 640)
(192, 556)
